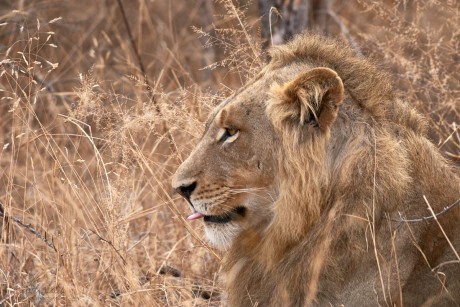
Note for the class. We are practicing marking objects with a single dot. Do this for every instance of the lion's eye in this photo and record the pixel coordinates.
(230, 132)
(228, 135)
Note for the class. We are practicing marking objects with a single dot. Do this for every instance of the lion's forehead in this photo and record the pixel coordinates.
(255, 93)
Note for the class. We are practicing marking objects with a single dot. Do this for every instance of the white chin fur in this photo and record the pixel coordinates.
(221, 236)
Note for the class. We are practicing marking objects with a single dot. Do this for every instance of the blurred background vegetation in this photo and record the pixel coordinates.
(100, 101)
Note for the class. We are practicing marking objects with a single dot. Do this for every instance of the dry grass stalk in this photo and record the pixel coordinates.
(87, 161)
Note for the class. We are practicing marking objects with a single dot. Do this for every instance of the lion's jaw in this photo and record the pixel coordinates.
(230, 212)
(228, 179)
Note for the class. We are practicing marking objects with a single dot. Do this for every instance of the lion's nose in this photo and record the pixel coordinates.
(186, 190)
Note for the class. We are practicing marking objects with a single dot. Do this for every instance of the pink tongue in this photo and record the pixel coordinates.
(195, 216)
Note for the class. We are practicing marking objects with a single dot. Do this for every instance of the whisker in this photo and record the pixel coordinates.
(254, 192)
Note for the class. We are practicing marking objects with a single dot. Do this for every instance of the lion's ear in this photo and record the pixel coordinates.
(312, 98)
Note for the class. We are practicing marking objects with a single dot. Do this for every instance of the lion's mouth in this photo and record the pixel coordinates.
(226, 217)
(223, 218)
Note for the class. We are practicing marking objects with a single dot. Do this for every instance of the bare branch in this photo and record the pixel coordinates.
(136, 53)
(111, 245)
(431, 217)
(28, 227)
(150, 90)
(294, 19)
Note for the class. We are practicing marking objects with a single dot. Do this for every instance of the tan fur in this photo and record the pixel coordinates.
(327, 164)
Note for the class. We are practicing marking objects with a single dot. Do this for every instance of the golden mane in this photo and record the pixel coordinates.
(324, 209)
(364, 82)
(328, 165)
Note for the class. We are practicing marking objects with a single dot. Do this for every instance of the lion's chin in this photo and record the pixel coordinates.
(221, 235)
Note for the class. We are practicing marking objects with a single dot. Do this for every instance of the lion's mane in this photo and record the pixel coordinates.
(340, 231)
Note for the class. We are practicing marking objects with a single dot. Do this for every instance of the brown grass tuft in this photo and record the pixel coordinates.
(86, 156)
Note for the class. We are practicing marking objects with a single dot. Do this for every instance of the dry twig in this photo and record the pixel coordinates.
(111, 245)
(426, 218)
(28, 227)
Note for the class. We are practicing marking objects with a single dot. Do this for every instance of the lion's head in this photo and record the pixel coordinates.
(302, 176)
(230, 179)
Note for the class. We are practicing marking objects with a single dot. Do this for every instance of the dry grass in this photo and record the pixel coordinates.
(88, 148)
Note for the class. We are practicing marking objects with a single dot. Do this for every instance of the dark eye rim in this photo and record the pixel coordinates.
(229, 132)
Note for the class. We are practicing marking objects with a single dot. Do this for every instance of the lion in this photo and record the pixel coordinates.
(322, 189)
